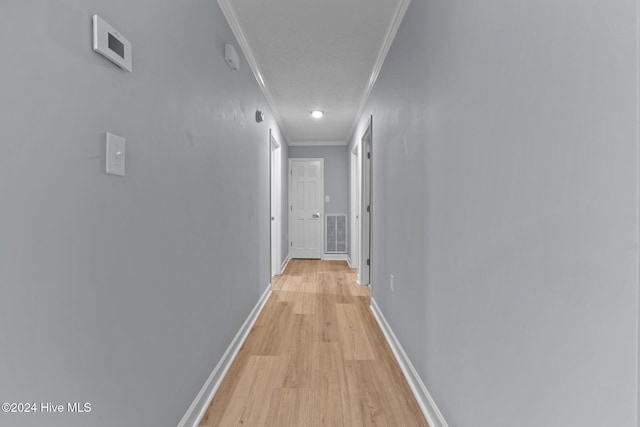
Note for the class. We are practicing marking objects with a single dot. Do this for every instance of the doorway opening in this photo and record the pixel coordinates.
(275, 171)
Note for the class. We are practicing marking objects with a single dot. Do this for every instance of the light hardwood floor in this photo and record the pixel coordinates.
(315, 357)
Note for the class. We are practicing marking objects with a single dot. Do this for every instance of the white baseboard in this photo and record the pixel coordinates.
(349, 261)
(284, 264)
(335, 257)
(202, 401)
(429, 409)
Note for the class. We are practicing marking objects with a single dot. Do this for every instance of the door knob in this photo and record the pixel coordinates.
(316, 215)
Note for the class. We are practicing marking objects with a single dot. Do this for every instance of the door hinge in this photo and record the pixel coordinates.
(368, 208)
(368, 155)
(368, 261)
(291, 244)
(291, 208)
(291, 172)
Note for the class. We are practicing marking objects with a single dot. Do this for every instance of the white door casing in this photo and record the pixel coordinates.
(276, 195)
(306, 204)
(355, 211)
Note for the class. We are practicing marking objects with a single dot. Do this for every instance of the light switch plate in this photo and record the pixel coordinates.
(115, 154)
(327, 199)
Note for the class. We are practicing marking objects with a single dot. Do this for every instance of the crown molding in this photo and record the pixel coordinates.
(238, 31)
(398, 15)
(230, 14)
(316, 143)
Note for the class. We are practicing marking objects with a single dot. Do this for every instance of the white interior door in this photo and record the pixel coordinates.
(276, 217)
(366, 208)
(306, 218)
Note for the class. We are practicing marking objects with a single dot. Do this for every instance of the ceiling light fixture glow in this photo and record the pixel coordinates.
(316, 114)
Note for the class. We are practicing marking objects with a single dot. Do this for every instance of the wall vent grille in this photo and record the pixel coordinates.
(336, 229)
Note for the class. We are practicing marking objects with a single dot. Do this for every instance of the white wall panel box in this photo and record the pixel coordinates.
(108, 42)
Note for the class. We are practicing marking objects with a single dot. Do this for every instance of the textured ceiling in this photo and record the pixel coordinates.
(315, 55)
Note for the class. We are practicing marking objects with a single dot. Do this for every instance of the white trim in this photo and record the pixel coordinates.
(275, 203)
(637, 349)
(335, 257)
(429, 409)
(316, 143)
(238, 31)
(398, 15)
(349, 261)
(202, 401)
(284, 264)
(354, 207)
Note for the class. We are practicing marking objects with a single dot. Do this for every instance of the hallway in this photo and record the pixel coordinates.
(148, 200)
(315, 356)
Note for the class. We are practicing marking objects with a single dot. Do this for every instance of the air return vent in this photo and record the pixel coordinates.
(336, 229)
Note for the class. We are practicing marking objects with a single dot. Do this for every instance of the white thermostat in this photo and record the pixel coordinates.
(108, 42)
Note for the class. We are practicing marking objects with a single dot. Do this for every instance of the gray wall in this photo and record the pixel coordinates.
(505, 191)
(125, 291)
(336, 174)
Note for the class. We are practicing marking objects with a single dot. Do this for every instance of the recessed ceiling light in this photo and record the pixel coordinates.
(316, 114)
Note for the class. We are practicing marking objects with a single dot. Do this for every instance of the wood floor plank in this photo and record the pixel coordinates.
(291, 408)
(307, 304)
(328, 383)
(263, 376)
(299, 372)
(315, 357)
(353, 339)
(366, 404)
(326, 324)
